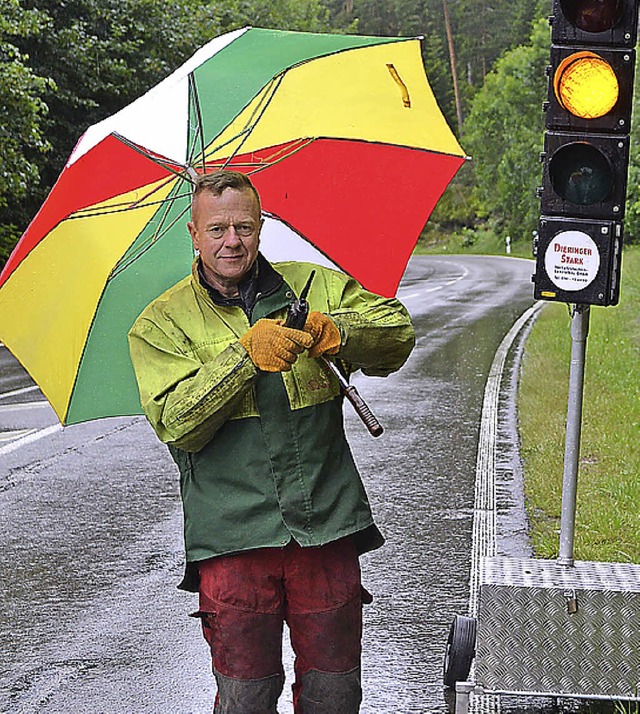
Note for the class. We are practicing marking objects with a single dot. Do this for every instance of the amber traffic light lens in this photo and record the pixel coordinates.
(593, 15)
(586, 85)
(580, 173)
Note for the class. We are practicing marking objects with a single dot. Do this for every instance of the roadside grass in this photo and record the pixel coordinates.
(627, 708)
(476, 242)
(608, 499)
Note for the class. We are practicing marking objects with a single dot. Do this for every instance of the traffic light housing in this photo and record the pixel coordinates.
(586, 150)
(585, 177)
(595, 22)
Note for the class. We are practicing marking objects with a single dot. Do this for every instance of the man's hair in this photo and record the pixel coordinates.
(217, 182)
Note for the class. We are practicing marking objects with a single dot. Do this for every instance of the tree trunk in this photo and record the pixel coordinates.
(452, 62)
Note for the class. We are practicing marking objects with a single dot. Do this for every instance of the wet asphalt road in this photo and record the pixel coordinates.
(90, 525)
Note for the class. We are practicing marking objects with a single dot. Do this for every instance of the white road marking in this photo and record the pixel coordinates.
(16, 392)
(14, 434)
(22, 406)
(484, 521)
(453, 281)
(30, 438)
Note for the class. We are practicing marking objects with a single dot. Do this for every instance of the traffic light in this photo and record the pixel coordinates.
(586, 150)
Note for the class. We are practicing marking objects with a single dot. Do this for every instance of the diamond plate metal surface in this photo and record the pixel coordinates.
(528, 642)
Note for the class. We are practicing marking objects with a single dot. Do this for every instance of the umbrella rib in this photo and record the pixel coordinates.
(147, 244)
(183, 173)
(262, 163)
(252, 121)
(122, 207)
(282, 154)
(135, 204)
(195, 98)
(258, 112)
(226, 143)
(157, 235)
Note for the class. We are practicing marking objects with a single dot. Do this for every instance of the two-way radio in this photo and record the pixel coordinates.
(296, 318)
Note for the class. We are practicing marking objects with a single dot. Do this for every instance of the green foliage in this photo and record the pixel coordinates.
(97, 56)
(632, 215)
(484, 31)
(21, 108)
(503, 133)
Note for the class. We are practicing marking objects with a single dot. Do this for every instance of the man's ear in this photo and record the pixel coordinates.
(194, 235)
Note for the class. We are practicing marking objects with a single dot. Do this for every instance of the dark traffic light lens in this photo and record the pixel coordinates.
(593, 15)
(580, 173)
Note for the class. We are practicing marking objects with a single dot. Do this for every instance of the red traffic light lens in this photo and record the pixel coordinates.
(593, 15)
(581, 174)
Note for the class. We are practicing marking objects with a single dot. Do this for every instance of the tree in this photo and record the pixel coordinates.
(21, 114)
(504, 135)
(103, 54)
(483, 31)
(452, 62)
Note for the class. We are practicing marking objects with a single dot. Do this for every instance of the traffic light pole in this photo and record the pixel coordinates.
(579, 332)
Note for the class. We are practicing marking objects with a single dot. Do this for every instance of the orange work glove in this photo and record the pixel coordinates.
(325, 333)
(272, 347)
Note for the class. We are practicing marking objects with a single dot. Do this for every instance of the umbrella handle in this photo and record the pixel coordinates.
(358, 403)
(362, 410)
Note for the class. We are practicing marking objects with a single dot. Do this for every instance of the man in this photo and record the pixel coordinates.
(275, 510)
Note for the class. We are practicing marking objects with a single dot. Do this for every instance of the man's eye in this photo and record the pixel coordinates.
(217, 231)
(244, 229)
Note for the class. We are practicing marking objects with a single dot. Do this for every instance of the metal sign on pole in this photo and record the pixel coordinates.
(567, 628)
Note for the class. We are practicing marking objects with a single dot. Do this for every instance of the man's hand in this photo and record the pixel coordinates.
(274, 348)
(326, 335)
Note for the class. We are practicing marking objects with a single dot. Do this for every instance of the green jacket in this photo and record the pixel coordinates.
(263, 457)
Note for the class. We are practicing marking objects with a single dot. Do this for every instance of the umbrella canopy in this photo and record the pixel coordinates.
(340, 134)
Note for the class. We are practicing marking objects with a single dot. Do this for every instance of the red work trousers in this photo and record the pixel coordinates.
(244, 600)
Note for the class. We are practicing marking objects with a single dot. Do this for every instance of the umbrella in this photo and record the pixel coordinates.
(340, 134)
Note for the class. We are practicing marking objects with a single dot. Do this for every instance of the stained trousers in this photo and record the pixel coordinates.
(244, 600)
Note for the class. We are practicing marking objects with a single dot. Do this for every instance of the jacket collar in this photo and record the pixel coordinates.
(261, 281)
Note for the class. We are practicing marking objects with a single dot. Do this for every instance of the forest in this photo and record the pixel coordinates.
(66, 65)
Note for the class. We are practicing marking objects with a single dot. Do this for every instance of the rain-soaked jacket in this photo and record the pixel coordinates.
(262, 456)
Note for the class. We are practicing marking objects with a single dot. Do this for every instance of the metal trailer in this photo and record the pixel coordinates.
(565, 628)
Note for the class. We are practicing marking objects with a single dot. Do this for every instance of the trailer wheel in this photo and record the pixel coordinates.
(460, 650)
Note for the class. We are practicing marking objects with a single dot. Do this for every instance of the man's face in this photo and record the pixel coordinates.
(225, 230)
